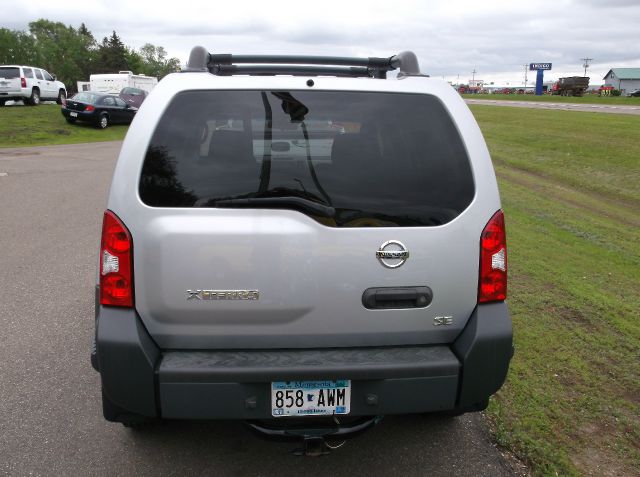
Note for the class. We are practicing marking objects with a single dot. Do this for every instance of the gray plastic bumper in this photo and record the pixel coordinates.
(140, 378)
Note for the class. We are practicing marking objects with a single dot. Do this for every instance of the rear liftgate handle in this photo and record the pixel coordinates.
(397, 297)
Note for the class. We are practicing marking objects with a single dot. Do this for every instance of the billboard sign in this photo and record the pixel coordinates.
(539, 66)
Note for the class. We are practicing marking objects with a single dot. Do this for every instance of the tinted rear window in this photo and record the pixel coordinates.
(132, 91)
(85, 97)
(9, 73)
(347, 159)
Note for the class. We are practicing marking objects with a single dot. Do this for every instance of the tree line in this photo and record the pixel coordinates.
(72, 54)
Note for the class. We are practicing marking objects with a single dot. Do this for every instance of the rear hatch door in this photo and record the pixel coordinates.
(10, 82)
(274, 219)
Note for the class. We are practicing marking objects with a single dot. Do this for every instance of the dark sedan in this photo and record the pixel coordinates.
(133, 96)
(97, 108)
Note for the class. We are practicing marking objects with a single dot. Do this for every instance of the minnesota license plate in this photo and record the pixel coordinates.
(310, 398)
(73, 115)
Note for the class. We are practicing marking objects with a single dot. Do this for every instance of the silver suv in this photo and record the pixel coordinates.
(300, 242)
(30, 85)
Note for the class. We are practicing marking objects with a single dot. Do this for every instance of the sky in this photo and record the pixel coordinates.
(451, 38)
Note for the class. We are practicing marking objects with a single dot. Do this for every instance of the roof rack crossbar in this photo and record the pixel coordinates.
(295, 70)
(225, 64)
(377, 63)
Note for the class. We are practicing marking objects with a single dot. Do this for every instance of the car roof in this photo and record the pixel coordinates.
(21, 66)
(96, 93)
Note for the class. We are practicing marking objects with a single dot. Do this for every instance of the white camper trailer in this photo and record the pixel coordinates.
(114, 83)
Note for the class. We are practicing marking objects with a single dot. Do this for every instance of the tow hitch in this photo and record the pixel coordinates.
(314, 439)
(313, 447)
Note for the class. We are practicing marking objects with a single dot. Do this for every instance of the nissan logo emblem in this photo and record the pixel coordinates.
(392, 254)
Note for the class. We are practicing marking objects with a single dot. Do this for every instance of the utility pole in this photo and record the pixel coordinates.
(473, 80)
(526, 68)
(585, 64)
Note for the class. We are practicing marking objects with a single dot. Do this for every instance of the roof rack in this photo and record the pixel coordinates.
(226, 65)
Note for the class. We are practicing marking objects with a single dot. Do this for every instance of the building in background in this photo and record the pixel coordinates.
(475, 85)
(624, 79)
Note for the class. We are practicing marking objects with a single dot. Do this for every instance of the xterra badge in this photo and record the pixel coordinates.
(223, 295)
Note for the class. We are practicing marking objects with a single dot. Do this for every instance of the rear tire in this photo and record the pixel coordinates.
(103, 121)
(61, 96)
(34, 99)
(2, 101)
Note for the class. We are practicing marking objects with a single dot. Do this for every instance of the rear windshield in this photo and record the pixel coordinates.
(132, 91)
(9, 72)
(347, 159)
(85, 97)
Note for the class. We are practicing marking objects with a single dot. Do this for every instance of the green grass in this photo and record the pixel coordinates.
(588, 99)
(570, 187)
(44, 125)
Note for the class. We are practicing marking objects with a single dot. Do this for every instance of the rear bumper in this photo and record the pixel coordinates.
(80, 115)
(141, 379)
(15, 95)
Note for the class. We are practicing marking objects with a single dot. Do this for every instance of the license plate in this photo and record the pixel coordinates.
(310, 398)
(73, 115)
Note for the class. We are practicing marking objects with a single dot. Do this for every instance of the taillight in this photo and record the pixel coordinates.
(116, 263)
(89, 108)
(23, 82)
(64, 102)
(492, 284)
